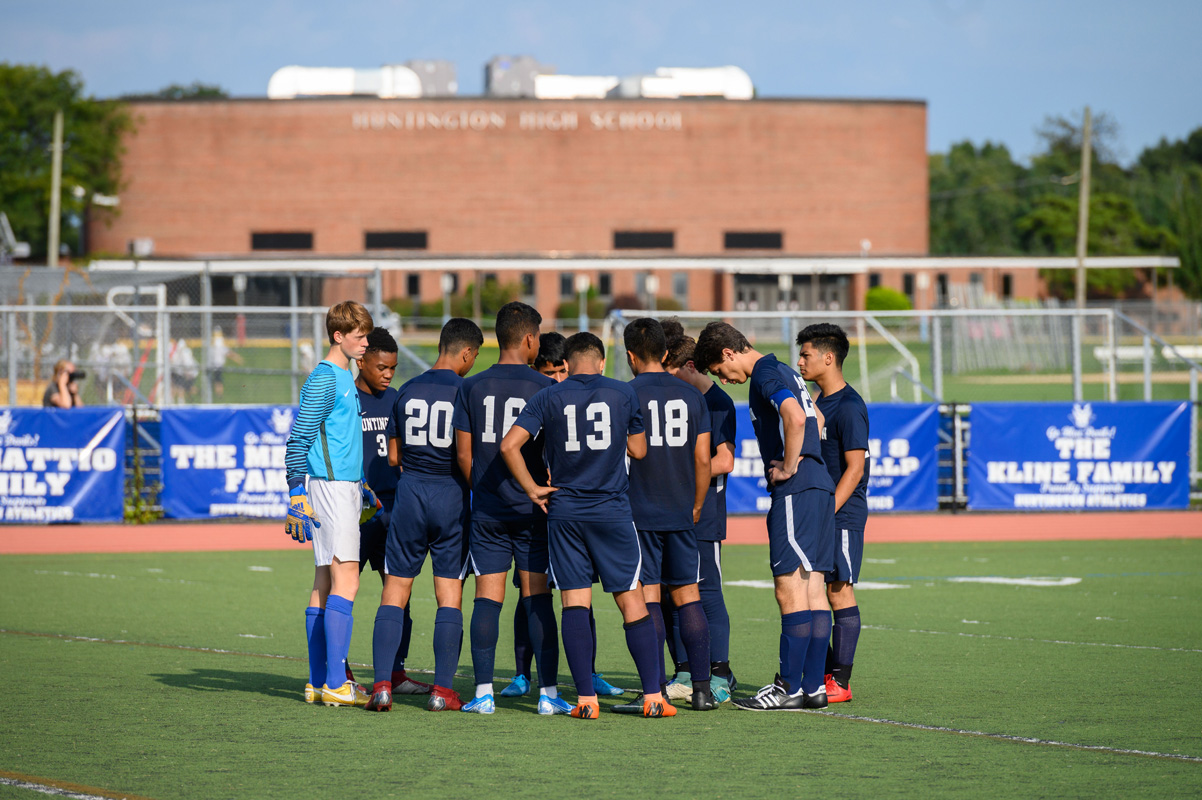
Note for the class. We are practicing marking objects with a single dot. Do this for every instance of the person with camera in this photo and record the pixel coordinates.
(63, 391)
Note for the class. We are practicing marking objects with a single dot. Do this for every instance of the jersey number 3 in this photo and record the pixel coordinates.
(600, 438)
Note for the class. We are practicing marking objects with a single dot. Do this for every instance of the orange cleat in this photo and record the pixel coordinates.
(836, 693)
(586, 710)
(658, 707)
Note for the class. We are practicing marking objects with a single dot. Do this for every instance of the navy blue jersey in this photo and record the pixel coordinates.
(846, 429)
(421, 416)
(772, 383)
(377, 430)
(663, 484)
(488, 404)
(712, 526)
(585, 421)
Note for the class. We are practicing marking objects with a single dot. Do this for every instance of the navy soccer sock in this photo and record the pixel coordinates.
(486, 628)
(592, 623)
(340, 621)
(794, 641)
(696, 634)
(386, 641)
(398, 665)
(315, 634)
(642, 640)
(523, 650)
(578, 647)
(844, 637)
(656, 612)
(448, 640)
(719, 621)
(676, 648)
(815, 657)
(544, 638)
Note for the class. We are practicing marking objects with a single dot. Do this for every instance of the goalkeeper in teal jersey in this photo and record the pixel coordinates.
(324, 460)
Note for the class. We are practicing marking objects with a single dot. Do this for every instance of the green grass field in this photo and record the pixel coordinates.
(180, 675)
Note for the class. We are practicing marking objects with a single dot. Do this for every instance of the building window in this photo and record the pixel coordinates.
(527, 284)
(487, 278)
(567, 284)
(908, 285)
(1007, 285)
(605, 284)
(753, 240)
(976, 278)
(644, 240)
(680, 287)
(281, 241)
(874, 280)
(395, 240)
(941, 288)
(413, 285)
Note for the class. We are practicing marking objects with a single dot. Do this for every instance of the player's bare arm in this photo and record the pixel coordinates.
(723, 461)
(851, 476)
(394, 453)
(701, 461)
(511, 451)
(636, 445)
(463, 454)
(794, 421)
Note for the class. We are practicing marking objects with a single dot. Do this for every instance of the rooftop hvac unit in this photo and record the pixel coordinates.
(437, 77)
(393, 80)
(731, 83)
(513, 76)
(568, 87)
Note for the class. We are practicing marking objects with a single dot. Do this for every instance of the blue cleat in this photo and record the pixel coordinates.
(553, 705)
(481, 705)
(720, 689)
(519, 688)
(604, 687)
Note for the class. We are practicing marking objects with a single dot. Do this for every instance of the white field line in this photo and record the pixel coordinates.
(1037, 641)
(51, 790)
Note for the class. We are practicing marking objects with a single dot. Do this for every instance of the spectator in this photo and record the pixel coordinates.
(63, 391)
(219, 351)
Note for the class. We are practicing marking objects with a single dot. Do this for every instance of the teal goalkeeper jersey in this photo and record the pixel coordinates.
(327, 437)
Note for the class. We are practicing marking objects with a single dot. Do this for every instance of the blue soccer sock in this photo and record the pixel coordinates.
(794, 641)
(448, 641)
(486, 629)
(815, 658)
(340, 622)
(719, 621)
(676, 648)
(523, 649)
(844, 637)
(315, 634)
(696, 634)
(386, 641)
(592, 623)
(656, 612)
(544, 637)
(578, 647)
(398, 665)
(642, 640)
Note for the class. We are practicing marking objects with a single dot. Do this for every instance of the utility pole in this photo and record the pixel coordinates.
(1082, 242)
(56, 185)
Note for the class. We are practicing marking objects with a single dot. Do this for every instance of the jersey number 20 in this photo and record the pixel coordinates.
(425, 422)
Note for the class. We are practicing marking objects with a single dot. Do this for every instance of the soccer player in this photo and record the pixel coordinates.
(376, 398)
(550, 361)
(844, 449)
(434, 498)
(590, 423)
(711, 527)
(800, 519)
(324, 462)
(506, 528)
(667, 492)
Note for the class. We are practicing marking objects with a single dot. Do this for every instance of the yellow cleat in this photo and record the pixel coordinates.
(349, 694)
(312, 693)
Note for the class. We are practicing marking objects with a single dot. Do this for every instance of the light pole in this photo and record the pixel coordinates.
(448, 286)
(240, 299)
(582, 287)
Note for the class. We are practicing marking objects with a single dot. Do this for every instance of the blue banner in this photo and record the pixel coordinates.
(225, 462)
(903, 467)
(62, 465)
(1045, 456)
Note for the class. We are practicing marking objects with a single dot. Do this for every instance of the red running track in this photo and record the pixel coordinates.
(166, 537)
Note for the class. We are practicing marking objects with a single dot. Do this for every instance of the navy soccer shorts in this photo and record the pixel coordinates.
(670, 557)
(494, 545)
(711, 566)
(849, 552)
(582, 550)
(801, 532)
(429, 518)
(373, 536)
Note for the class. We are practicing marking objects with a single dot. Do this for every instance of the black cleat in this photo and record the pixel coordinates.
(703, 699)
(775, 696)
(635, 706)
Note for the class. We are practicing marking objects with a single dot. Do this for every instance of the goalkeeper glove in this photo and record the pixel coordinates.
(301, 520)
(371, 505)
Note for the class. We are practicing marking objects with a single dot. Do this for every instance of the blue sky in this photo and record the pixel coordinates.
(989, 69)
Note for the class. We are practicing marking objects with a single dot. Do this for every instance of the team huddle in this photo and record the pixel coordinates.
(543, 464)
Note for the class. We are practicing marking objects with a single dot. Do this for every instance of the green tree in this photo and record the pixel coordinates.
(92, 132)
(177, 91)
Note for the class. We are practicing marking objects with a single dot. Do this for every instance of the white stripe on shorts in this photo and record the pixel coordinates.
(638, 571)
(847, 554)
(805, 562)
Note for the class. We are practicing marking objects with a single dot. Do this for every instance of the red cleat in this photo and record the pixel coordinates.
(381, 697)
(442, 699)
(836, 693)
